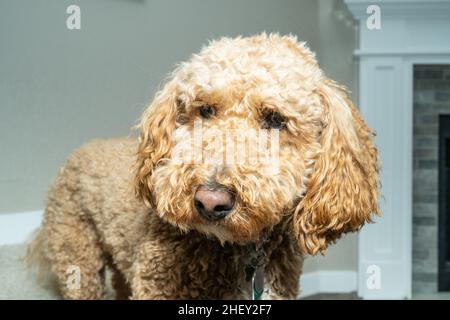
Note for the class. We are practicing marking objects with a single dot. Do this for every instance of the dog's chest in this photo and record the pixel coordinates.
(211, 271)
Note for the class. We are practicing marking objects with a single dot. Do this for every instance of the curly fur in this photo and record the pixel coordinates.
(128, 205)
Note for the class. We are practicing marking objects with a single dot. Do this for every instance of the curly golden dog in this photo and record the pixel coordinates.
(176, 216)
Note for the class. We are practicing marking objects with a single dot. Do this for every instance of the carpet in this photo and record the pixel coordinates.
(15, 280)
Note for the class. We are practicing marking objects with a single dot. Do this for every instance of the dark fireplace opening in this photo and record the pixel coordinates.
(444, 203)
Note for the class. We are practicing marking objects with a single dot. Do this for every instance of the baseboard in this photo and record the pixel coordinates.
(328, 282)
(17, 227)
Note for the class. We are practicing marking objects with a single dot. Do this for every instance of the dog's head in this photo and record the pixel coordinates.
(250, 132)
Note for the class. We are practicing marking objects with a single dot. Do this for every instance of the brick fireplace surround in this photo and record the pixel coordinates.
(431, 99)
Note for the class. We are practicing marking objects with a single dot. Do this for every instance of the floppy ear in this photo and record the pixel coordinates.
(156, 127)
(343, 189)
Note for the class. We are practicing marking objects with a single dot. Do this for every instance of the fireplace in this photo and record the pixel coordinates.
(411, 34)
(444, 203)
(431, 188)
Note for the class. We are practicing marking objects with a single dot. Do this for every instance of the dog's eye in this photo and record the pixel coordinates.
(207, 111)
(273, 120)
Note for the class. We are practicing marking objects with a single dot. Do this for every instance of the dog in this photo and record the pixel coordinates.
(180, 228)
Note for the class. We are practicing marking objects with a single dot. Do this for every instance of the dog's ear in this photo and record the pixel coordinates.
(156, 127)
(343, 189)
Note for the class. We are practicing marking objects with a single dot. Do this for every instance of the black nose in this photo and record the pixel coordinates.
(213, 204)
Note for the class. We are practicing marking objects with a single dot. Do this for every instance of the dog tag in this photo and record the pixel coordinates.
(257, 284)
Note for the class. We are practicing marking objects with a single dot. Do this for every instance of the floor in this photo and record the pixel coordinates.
(432, 296)
(17, 283)
(333, 296)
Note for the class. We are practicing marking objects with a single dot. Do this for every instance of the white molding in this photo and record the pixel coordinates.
(17, 227)
(361, 53)
(410, 9)
(327, 282)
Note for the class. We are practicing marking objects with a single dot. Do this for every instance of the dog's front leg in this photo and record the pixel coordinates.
(153, 273)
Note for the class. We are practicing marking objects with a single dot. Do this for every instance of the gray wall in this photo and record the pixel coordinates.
(60, 88)
(336, 43)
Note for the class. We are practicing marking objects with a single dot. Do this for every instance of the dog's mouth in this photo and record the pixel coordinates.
(230, 207)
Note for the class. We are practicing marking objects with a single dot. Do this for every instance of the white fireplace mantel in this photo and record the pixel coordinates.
(412, 32)
(403, 9)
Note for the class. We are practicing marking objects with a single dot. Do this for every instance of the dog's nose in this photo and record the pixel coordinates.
(213, 204)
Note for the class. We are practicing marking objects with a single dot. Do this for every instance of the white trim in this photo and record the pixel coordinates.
(412, 9)
(361, 53)
(17, 227)
(327, 282)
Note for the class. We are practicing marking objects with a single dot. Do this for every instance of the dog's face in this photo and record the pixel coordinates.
(250, 132)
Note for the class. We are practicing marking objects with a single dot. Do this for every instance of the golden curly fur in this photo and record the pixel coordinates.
(128, 205)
